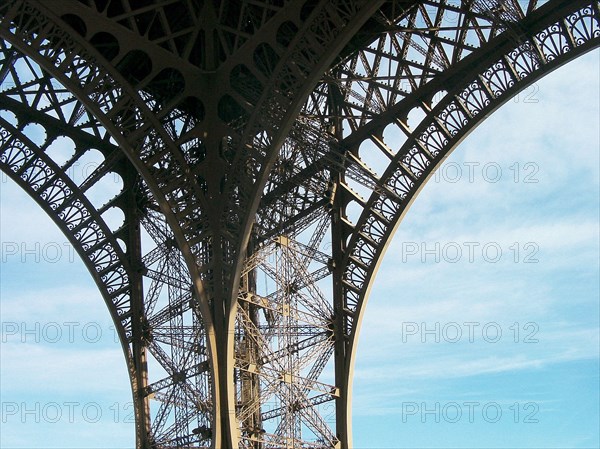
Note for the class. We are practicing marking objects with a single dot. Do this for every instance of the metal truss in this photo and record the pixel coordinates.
(246, 164)
(134, 260)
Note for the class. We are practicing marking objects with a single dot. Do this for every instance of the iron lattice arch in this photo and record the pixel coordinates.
(246, 166)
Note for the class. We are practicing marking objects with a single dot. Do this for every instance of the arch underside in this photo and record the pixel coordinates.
(121, 250)
(262, 172)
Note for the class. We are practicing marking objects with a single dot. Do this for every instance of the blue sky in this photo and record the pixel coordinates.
(498, 264)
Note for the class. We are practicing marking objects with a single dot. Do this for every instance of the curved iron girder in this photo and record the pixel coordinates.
(43, 37)
(150, 114)
(53, 50)
(140, 124)
(33, 170)
(132, 120)
(35, 98)
(66, 57)
(264, 135)
(204, 34)
(64, 202)
(556, 34)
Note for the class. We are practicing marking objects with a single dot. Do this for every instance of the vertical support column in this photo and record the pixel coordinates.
(249, 349)
(342, 407)
(138, 318)
(220, 293)
(338, 250)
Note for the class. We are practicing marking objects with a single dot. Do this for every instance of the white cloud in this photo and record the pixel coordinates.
(31, 369)
(559, 294)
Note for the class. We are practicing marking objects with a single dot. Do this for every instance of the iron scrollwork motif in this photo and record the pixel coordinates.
(266, 160)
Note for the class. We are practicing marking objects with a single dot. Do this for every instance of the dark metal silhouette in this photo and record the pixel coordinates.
(232, 172)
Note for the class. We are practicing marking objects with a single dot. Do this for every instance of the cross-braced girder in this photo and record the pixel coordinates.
(265, 152)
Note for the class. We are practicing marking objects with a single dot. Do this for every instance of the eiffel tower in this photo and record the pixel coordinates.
(247, 164)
